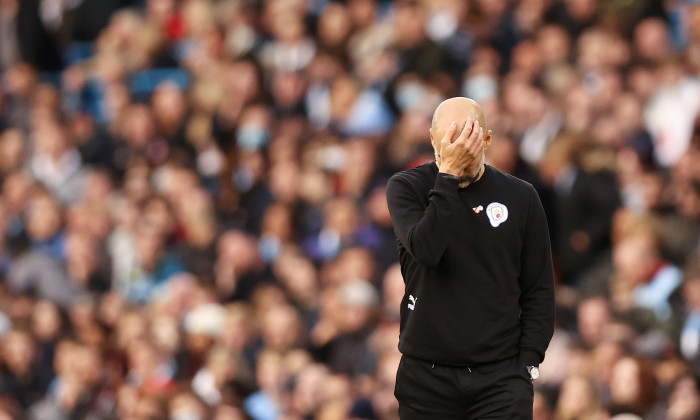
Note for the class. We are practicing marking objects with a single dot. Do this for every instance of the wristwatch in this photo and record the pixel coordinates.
(534, 372)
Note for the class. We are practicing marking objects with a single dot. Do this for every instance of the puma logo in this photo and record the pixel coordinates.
(412, 306)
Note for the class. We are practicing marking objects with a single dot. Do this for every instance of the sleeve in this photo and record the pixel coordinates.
(423, 231)
(536, 286)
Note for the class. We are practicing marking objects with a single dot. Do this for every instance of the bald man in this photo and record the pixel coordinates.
(478, 310)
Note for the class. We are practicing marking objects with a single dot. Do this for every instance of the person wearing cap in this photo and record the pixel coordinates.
(478, 309)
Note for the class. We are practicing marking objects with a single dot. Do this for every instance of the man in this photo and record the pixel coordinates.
(478, 311)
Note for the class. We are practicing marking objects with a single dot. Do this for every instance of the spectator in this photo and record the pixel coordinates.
(643, 278)
(632, 387)
(577, 400)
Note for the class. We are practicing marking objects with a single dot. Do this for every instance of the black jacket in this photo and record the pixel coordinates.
(477, 266)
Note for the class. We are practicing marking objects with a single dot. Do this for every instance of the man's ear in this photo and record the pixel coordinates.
(432, 140)
(487, 140)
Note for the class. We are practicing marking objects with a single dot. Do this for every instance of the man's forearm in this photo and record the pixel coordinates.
(423, 232)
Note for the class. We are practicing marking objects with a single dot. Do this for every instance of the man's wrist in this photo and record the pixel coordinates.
(449, 176)
(529, 357)
(534, 372)
(446, 182)
(449, 171)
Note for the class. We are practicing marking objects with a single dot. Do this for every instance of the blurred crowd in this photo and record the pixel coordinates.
(193, 223)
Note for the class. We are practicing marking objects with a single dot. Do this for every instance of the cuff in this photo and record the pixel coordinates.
(446, 182)
(529, 357)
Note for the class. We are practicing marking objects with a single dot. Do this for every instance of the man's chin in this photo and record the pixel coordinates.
(465, 178)
(469, 176)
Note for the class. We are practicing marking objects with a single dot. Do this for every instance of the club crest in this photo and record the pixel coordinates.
(497, 213)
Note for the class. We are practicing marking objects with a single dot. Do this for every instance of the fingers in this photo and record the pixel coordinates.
(447, 138)
(470, 139)
(476, 145)
(474, 135)
(466, 132)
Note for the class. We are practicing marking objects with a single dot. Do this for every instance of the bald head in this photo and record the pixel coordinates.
(460, 110)
(457, 109)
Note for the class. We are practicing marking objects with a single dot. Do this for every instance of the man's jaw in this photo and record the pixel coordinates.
(467, 178)
(472, 176)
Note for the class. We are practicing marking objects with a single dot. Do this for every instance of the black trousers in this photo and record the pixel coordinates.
(500, 390)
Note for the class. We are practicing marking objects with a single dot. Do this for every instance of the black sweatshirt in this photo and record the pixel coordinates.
(477, 266)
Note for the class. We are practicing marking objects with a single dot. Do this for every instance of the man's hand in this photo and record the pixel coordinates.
(456, 156)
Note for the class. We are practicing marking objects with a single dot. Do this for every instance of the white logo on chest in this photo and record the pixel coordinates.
(497, 213)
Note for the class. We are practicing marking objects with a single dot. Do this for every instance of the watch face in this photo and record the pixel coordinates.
(534, 373)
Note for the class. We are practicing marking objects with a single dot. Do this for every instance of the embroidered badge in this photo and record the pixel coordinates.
(497, 213)
(478, 209)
